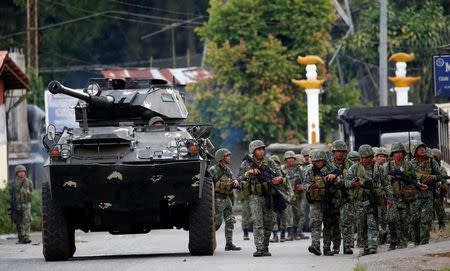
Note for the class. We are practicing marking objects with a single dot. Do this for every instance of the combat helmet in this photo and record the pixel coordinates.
(255, 144)
(382, 151)
(275, 158)
(220, 154)
(305, 152)
(318, 155)
(289, 154)
(437, 154)
(339, 145)
(299, 159)
(397, 147)
(154, 120)
(365, 150)
(353, 155)
(416, 145)
(19, 168)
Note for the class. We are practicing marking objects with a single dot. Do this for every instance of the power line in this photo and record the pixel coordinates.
(153, 8)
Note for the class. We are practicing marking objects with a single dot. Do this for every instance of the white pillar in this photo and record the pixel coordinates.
(402, 95)
(313, 115)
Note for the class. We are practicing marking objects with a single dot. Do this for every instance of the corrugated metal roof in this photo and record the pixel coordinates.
(11, 74)
(182, 76)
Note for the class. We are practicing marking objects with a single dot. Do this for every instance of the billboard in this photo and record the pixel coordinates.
(59, 110)
(441, 75)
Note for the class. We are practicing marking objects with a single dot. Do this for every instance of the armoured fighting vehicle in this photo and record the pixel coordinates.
(133, 166)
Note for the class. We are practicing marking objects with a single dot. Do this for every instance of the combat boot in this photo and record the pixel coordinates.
(258, 253)
(266, 253)
(348, 250)
(327, 252)
(336, 249)
(283, 236)
(392, 246)
(290, 236)
(246, 234)
(230, 246)
(274, 238)
(314, 250)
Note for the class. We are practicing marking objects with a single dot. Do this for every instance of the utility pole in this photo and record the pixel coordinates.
(174, 60)
(383, 54)
(32, 7)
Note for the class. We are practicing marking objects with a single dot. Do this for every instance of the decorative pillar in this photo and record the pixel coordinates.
(401, 82)
(312, 87)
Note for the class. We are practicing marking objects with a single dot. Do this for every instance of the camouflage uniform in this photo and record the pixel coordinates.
(441, 192)
(262, 214)
(347, 208)
(315, 187)
(20, 191)
(424, 208)
(400, 215)
(353, 156)
(306, 161)
(367, 214)
(294, 175)
(382, 209)
(222, 178)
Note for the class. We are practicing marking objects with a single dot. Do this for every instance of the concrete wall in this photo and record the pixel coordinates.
(3, 148)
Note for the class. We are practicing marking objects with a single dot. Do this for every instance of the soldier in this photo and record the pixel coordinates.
(294, 175)
(368, 182)
(441, 191)
(381, 156)
(223, 186)
(252, 181)
(305, 152)
(403, 179)
(20, 191)
(321, 196)
(353, 156)
(156, 121)
(427, 172)
(276, 216)
(347, 210)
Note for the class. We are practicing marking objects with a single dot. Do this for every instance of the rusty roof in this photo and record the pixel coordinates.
(13, 77)
(182, 76)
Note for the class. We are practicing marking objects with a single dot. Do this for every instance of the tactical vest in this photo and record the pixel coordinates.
(254, 185)
(406, 193)
(362, 193)
(317, 193)
(22, 191)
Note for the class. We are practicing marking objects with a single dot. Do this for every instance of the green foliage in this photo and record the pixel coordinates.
(252, 50)
(6, 225)
(36, 88)
(417, 27)
(360, 267)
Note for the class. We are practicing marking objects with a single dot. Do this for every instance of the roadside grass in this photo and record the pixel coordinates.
(6, 225)
(441, 234)
(360, 267)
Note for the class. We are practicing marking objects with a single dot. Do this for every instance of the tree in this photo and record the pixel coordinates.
(252, 50)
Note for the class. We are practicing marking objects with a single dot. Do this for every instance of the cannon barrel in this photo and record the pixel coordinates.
(56, 87)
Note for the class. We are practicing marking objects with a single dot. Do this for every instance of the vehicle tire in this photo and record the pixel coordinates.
(58, 242)
(202, 229)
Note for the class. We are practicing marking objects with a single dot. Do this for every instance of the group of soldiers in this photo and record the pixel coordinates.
(382, 196)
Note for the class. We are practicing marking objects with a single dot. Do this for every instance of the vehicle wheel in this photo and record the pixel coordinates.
(58, 242)
(202, 234)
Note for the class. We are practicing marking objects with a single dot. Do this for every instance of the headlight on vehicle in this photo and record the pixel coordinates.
(65, 153)
(183, 151)
(193, 148)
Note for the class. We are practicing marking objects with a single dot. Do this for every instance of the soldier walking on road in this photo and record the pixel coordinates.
(428, 173)
(319, 183)
(20, 191)
(368, 183)
(223, 186)
(381, 156)
(261, 210)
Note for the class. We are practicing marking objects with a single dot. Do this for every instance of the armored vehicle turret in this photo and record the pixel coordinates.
(134, 165)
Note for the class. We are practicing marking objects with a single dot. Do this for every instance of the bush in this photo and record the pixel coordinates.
(6, 225)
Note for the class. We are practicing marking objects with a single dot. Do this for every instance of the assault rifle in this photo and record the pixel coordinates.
(373, 199)
(402, 177)
(266, 174)
(328, 203)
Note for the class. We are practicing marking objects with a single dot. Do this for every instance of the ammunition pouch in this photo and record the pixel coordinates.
(409, 193)
(360, 194)
(317, 193)
(224, 186)
(23, 196)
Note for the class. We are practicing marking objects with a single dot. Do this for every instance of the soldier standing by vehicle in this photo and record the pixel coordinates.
(427, 172)
(319, 193)
(294, 175)
(368, 182)
(404, 183)
(441, 191)
(347, 209)
(252, 181)
(223, 185)
(20, 191)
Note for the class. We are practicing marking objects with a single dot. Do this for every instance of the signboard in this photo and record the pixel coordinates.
(441, 75)
(59, 110)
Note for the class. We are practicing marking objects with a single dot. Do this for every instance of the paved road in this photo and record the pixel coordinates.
(166, 250)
